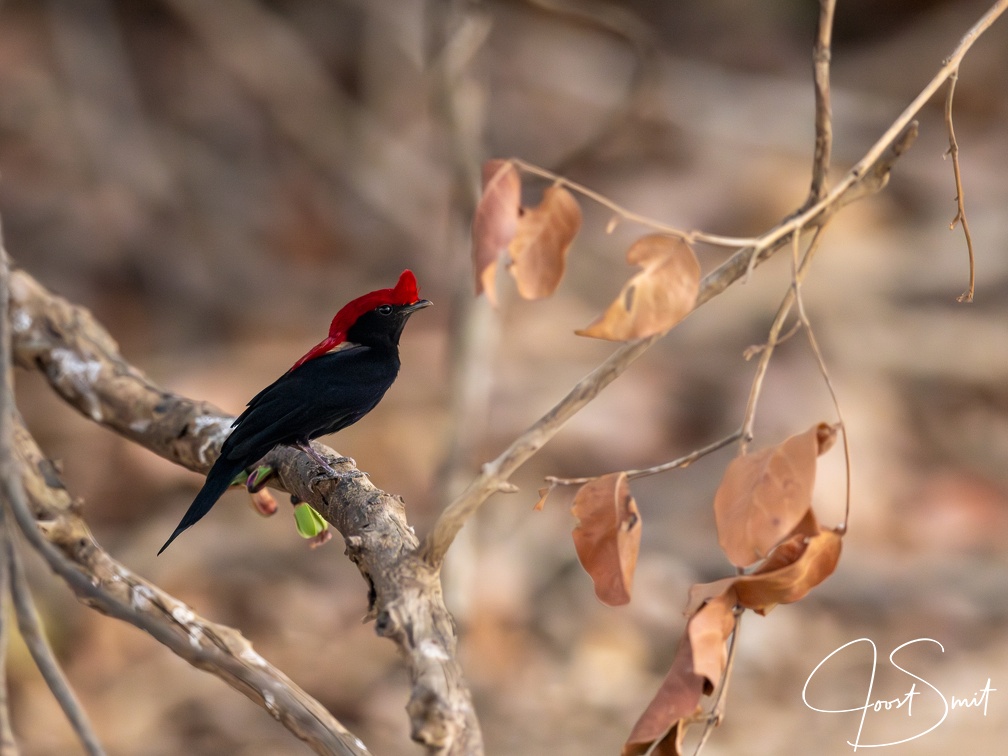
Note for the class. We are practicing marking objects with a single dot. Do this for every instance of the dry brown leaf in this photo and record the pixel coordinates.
(539, 248)
(794, 568)
(763, 496)
(655, 299)
(804, 563)
(607, 536)
(700, 593)
(677, 698)
(495, 222)
(709, 630)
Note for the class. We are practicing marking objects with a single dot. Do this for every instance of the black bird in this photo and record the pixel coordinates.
(324, 392)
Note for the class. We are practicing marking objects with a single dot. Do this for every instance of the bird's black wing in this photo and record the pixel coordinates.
(322, 396)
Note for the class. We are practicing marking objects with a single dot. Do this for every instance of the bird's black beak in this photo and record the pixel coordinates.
(418, 305)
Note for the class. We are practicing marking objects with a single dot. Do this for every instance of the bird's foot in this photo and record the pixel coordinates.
(323, 462)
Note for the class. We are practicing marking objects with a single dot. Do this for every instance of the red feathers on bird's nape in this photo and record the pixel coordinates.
(405, 292)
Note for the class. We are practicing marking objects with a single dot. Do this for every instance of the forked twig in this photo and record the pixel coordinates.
(774, 338)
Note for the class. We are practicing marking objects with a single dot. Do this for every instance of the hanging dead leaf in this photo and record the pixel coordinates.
(794, 568)
(803, 564)
(676, 699)
(495, 222)
(655, 299)
(539, 248)
(607, 536)
(764, 495)
(709, 630)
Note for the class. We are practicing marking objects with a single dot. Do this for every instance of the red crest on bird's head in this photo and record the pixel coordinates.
(405, 292)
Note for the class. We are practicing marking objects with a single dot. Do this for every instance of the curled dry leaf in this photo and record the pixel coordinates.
(763, 496)
(696, 670)
(676, 699)
(709, 630)
(607, 536)
(495, 222)
(655, 299)
(804, 563)
(539, 248)
(796, 566)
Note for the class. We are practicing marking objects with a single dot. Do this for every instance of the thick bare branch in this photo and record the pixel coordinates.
(83, 364)
(45, 513)
(404, 594)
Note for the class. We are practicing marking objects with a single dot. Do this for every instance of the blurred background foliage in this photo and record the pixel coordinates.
(214, 179)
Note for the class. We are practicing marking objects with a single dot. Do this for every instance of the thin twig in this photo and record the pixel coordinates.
(821, 362)
(960, 216)
(756, 387)
(8, 746)
(45, 660)
(774, 338)
(683, 461)
(629, 215)
(823, 109)
(753, 349)
(716, 712)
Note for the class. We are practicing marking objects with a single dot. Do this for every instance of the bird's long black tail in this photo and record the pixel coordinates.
(217, 482)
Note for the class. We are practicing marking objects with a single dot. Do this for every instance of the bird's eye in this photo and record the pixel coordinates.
(385, 310)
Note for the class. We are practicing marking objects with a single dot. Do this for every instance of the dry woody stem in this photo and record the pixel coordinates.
(823, 109)
(960, 216)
